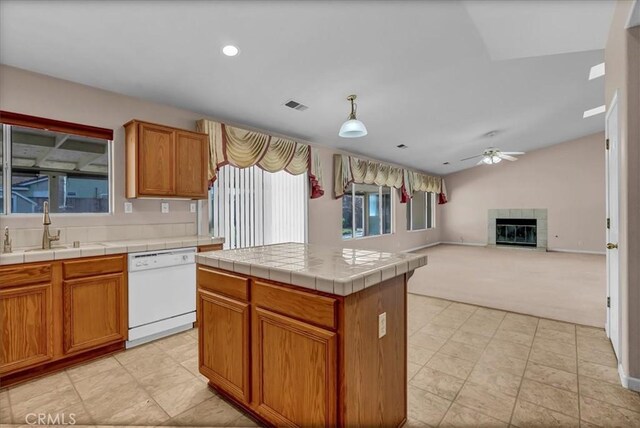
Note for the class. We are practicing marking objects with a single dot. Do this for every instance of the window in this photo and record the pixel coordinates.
(69, 171)
(252, 207)
(366, 211)
(421, 211)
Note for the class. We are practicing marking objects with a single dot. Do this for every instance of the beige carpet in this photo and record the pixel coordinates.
(560, 286)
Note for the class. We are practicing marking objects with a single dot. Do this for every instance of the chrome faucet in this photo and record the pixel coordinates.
(46, 235)
(6, 249)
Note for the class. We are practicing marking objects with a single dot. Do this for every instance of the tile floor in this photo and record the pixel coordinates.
(468, 366)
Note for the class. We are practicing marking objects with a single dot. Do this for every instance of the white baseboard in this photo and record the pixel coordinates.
(563, 250)
(628, 382)
(472, 244)
(410, 250)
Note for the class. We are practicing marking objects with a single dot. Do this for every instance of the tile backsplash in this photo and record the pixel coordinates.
(32, 237)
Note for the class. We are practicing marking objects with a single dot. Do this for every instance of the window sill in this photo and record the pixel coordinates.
(360, 238)
(421, 230)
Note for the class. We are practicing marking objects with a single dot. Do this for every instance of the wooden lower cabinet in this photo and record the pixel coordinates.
(304, 358)
(93, 312)
(224, 333)
(57, 313)
(27, 326)
(294, 371)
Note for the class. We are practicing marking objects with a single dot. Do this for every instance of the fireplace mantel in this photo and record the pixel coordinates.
(539, 214)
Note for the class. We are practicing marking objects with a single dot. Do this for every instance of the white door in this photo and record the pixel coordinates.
(613, 216)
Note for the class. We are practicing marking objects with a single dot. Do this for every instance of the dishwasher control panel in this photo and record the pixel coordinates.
(161, 259)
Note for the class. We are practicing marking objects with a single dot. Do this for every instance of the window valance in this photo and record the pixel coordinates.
(349, 169)
(229, 145)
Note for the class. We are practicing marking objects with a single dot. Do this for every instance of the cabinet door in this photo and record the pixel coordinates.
(191, 165)
(27, 326)
(94, 312)
(156, 160)
(295, 374)
(224, 338)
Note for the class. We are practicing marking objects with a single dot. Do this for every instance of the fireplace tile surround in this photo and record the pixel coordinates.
(539, 214)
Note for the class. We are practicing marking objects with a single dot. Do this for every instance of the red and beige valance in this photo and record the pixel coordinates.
(349, 169)
(229, 145)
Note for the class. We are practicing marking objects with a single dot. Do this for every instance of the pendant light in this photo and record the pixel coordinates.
(352, 128)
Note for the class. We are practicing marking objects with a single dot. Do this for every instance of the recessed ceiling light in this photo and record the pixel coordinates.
(596, 71)
(230, 50)
(594, 111)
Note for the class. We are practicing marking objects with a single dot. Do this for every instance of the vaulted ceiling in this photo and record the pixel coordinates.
(433, 75)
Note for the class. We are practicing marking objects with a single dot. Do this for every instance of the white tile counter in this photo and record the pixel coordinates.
(105, 248)
(340, 271)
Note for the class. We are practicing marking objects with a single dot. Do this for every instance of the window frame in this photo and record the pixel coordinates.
(431, 197)
(381, 216)
(9, 119)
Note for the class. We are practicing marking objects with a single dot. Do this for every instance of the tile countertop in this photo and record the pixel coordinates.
(340, 271)
(21, 255)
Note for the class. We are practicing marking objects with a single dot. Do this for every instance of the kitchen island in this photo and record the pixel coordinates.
(305, 335)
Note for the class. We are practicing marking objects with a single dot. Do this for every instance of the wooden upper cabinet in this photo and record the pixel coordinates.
(27, 326)
(165, 162)
(191, 165)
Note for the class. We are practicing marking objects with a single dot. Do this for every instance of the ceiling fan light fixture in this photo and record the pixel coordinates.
(495, 159)
(352, 128)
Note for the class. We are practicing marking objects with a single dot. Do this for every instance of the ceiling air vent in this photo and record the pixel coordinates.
(402, 146)
(296, 105)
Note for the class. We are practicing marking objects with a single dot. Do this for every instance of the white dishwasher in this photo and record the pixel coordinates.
(162, 294)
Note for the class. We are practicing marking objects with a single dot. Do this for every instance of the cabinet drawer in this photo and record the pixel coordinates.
(93, 266)
(209, 247)
(313, 308)
(224, 283)
(25, 274)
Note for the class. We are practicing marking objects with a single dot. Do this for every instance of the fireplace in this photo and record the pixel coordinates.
(517, 231)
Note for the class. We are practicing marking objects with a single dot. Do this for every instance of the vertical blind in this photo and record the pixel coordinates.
(252, 207)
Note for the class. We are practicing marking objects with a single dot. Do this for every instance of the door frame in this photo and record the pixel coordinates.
(613, 105)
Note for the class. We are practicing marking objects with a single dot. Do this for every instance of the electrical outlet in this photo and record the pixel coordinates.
(192, 207)
(164, 208)
(382, 325)
(128, 207)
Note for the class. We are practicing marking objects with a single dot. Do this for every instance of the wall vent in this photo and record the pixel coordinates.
(296, 105)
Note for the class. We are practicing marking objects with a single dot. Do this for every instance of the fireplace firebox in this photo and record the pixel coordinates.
(516, 231)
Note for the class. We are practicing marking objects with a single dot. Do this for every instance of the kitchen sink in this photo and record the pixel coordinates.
(60, 247)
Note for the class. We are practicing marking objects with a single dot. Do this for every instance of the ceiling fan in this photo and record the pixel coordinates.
(493, 156)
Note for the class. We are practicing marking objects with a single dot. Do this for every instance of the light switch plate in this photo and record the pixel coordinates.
(382, 325)
(164, 207)
(192, 207)
(128, 207)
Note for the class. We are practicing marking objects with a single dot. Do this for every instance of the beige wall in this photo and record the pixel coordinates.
(622, 59)
(38, 95)
(567, 179)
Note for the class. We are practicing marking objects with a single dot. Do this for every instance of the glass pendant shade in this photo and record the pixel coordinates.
(352, 128)
(496, 159)
(487, 160)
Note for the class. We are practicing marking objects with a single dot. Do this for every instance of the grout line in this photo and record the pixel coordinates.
(575, 329)
(73, 385)
(473, 368)
(513, 410)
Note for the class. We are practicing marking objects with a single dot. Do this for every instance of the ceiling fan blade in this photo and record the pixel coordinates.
(507, 157)
(512, 153)
(481, 162)
(462, 160)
